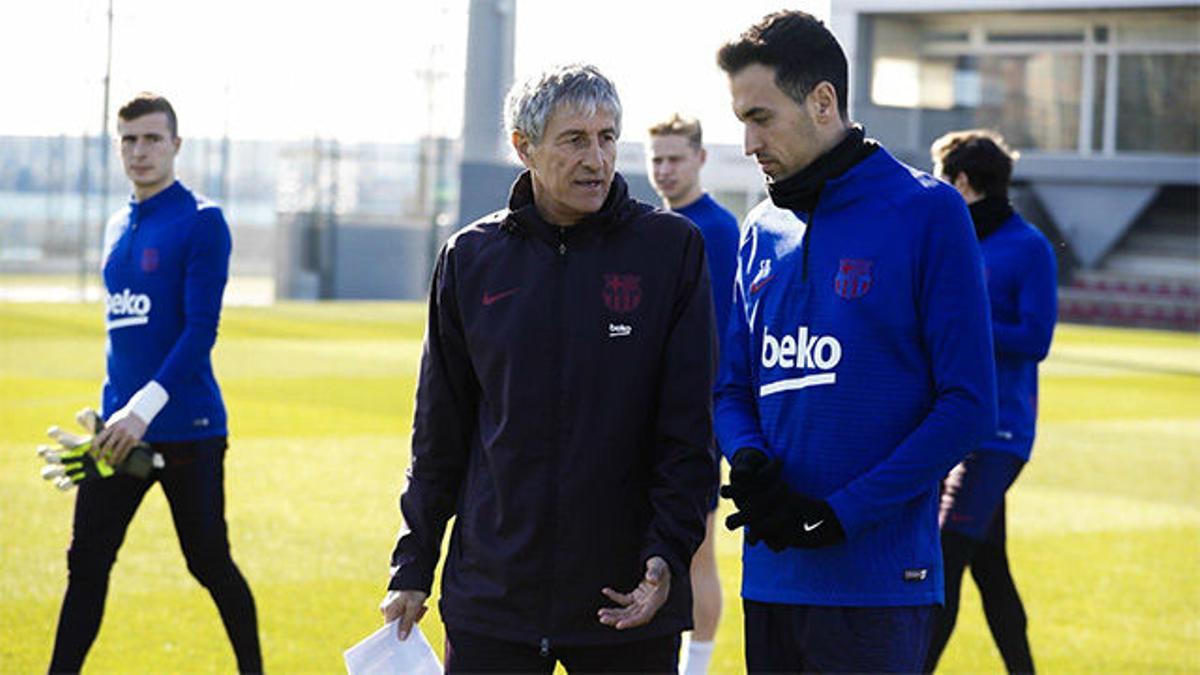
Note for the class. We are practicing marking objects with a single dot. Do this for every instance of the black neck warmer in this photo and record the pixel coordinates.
(989, 214)
(801, 191)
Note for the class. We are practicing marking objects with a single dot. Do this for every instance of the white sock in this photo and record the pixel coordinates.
(696, 658)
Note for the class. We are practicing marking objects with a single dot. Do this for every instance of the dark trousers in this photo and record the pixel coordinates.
(472, 653)
(974, 535)
(193, 482)
(808, 638)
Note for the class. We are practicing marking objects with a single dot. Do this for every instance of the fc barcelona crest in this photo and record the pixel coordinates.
(622, 292)
(853, 278)
(149, 259)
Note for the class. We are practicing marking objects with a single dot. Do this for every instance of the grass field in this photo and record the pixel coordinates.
(1104, 523)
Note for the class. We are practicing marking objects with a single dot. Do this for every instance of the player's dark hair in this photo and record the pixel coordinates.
(981, 154)
(799, 47)
(146, 103)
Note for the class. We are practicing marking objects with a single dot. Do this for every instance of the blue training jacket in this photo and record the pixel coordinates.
(867, 366)
(166, 262)
(719, 228)
(1022, 279)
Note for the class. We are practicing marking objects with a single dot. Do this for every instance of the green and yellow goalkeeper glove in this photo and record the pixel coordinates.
(75, 462)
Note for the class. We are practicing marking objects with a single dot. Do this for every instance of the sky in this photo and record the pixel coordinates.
(356, 70)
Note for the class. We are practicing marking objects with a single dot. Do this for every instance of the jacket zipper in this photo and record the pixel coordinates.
(804, 243)
(133, 226)
(559, 436)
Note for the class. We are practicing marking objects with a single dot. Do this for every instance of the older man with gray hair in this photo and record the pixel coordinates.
(563, 411)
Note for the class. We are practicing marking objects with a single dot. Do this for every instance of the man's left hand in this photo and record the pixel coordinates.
(792, 521)
(640, 605)
(123, 431)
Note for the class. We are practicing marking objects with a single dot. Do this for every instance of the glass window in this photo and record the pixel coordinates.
(1158, 103)
(1179, 25)
(1032, 99)
(1034, 36)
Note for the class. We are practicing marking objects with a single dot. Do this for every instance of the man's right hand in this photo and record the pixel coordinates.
(755, 484)
(404, 607)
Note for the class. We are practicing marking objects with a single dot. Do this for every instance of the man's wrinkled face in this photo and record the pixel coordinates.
(779, 133)
(675, 168)
(573, 165)
(148, 150)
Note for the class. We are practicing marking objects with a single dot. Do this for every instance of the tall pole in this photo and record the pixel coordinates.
(223, 188)
(84, 214)
(105, 141)
(484, 173)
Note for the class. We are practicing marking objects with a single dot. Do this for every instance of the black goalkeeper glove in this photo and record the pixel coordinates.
(773, 513)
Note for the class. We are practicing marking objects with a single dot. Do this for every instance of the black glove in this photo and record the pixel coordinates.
(773, 513)
(755, 482)
(752, 476)
(755, 486)
(800, 522)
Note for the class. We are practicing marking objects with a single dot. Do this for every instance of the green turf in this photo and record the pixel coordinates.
(1105, 522)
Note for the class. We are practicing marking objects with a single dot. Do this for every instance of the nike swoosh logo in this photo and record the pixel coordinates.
(489, 299)
(809, 527)
(757, 285)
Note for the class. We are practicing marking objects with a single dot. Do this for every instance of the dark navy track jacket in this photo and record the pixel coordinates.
(563, 415)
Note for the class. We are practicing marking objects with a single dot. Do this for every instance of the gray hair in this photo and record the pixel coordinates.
(583, 87)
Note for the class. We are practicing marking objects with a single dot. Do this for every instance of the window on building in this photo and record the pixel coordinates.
(1042, 78)
(1032, 99)
(1158, 103)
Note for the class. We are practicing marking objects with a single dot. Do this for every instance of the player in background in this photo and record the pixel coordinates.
(675, 151)
(166, 261)
(856, 371)
(1022, 288)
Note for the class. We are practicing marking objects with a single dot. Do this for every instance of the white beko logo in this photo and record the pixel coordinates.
(616, 330)
(800, 351)
(126, 309)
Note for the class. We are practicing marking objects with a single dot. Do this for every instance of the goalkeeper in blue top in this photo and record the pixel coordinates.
(166, 261)
(856, 369)
(1022, 284)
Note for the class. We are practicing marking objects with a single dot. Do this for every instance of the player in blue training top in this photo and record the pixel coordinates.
(1022, 284)
(676, 154)
(166, 260)
(856, 371)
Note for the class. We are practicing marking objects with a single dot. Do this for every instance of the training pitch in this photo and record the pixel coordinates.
(1104, 524)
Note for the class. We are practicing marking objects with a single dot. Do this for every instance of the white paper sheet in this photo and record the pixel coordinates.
(382, 653)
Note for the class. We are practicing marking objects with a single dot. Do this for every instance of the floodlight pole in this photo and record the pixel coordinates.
(84, 214)
(105, 141)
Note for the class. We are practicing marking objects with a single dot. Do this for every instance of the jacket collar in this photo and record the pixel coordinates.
(801, 191)
(168, 195)
(989, 214)
(523, 218)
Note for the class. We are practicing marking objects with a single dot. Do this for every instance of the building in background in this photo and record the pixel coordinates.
(1101, 98)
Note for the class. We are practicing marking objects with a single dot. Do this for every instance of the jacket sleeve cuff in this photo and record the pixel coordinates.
(148, 402)
(678, 566)
(411, 578)
(851, 520)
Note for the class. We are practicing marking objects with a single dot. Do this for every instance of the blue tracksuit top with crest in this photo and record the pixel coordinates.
(166, 261)
(1022, 278)
(867, 366)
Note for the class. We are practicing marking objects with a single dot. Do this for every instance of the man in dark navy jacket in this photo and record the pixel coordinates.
(563, 411)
